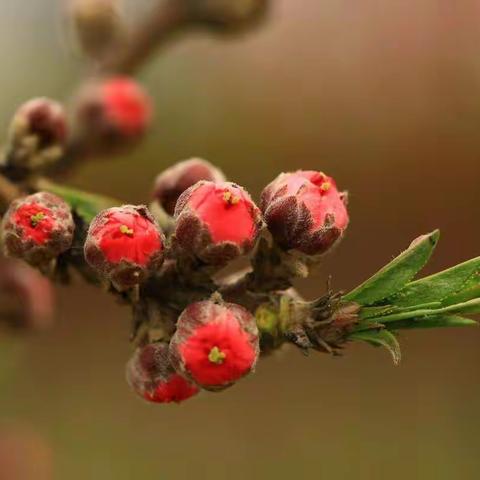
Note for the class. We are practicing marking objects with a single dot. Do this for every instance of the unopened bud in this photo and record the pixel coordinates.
(151, 376)
(305, 211)
(172, 182)
(37, 134)
(112, 114)
(98, 24)
(216, 222)
(216, 343)
(125, 245)
(37, 228)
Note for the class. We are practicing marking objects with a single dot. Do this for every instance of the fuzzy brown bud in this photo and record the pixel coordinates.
(173, 181)
(37, 135)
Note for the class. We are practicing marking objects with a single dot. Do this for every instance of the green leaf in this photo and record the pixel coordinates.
(440, 286)
(86, 205)
(380, 338)
(469, 307)
(442, 321)
(394, 276)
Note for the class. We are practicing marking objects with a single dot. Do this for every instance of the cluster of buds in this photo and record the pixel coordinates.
(210, 343)
(214, 346)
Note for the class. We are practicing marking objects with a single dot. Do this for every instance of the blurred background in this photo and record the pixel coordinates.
(384, 96)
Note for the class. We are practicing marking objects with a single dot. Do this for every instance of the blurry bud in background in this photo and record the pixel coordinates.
(229, 16)
(26, 297)
(24, 454)
(112, 115)
(173, 181)
(98, 25)
(37, 135)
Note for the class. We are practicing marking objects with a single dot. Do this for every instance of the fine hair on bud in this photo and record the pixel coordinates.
(216, 222)
(37, 134)
(37, 228)
(215, 344)
(125, 245)
(152, 377)
(305, 211)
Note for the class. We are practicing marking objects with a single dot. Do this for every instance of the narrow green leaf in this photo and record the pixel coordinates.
(394, 276)
(381, 338)
(442, 321)
(469, 307)
(440, 286)
(86, 205)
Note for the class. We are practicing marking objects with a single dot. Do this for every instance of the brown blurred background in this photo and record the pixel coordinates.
(383, 95)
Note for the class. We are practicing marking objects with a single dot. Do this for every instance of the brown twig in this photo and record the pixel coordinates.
(159, 26)
(8, 192)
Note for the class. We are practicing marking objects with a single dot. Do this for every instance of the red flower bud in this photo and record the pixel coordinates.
(37, 228)
(216, 222)
(171, 183)
(38, 133)
(215, 344)
(151, 376)
(125, 245)
(305, 211)
(114, 113)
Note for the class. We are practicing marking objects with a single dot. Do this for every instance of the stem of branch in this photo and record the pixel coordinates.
(168, 18)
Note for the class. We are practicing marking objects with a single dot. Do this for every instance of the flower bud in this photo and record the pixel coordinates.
(37, 228)
(113, 114)
(230, 15)
(98, 24)
(37, 135)
(305, 211)
(216, 222)
(125, 245)
(151, 376)
(26, 296)
(215, 344)
(171, 183)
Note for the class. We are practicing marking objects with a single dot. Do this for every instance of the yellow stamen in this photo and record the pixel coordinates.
(126, 231)
(216, 356)
(230, 198)
(37, 218)
(325, 186)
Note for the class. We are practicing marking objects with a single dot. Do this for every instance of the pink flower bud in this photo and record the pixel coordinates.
(215, 344)
(37, 228)
(38, 133)
(171, 183)
(125, 245)
(216, 222)
(305, 211)
(113, 113)
(151, 376)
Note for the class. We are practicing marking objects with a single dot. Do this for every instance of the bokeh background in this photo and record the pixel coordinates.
(383, 95)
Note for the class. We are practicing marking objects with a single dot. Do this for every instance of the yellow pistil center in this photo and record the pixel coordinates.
(325, 186)
(36, 219)
(230, 198)
(126, 231)
(216, 356)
